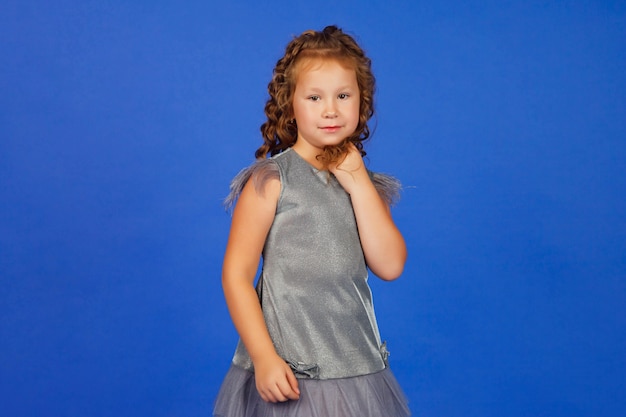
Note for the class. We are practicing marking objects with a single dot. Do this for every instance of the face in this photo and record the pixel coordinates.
(326, 105)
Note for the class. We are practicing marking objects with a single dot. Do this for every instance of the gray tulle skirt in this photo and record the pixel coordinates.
(373, 395)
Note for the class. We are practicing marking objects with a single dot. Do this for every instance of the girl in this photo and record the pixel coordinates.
(309, 342)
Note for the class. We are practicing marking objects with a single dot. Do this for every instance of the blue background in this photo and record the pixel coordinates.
(122, 123)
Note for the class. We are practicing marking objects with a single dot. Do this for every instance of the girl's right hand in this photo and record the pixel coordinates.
(275, 380)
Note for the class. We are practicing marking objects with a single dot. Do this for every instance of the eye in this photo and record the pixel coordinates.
(343, 96)
(314, 98)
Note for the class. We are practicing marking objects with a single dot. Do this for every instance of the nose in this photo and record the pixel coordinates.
(330, 111)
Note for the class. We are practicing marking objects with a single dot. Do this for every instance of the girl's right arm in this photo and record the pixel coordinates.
(252, 217)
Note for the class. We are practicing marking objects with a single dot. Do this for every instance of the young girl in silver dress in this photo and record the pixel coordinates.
(309, 342)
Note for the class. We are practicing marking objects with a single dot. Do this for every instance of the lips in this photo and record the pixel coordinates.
(330, 129)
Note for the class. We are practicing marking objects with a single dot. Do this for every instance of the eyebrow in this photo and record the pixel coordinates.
(321, 90)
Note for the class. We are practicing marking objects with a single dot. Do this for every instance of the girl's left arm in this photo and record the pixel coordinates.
(382, 242)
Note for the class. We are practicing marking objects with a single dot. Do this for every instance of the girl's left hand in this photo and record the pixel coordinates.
(382, 242)
(351, 170)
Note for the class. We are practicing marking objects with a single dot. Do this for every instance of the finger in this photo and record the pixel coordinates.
(266, 395)
(287, 391)
(293, 382)
(277, 394)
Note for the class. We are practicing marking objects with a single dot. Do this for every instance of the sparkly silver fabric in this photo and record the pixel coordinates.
(313, 287)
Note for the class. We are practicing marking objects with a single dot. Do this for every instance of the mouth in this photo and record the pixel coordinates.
(330, 129)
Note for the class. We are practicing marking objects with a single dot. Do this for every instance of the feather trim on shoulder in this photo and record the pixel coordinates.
(260, 171)
(388, 187)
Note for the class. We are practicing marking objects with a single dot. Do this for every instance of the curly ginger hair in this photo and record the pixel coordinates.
(280, 131)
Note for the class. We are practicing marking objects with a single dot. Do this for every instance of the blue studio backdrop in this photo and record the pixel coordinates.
(122, 123)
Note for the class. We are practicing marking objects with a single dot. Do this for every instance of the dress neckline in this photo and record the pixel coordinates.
(316, 170)
(323, 174)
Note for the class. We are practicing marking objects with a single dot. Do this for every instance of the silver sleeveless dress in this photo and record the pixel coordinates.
(316, 302)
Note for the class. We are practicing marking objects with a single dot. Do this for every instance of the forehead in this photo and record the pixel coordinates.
(312, 63)
(306, 66)
(307, 61)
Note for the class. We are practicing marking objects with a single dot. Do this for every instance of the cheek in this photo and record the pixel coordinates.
(297, 111)
(356, 113)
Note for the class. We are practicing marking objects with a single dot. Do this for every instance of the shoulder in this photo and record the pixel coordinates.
(260, 173)
(388, 186)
